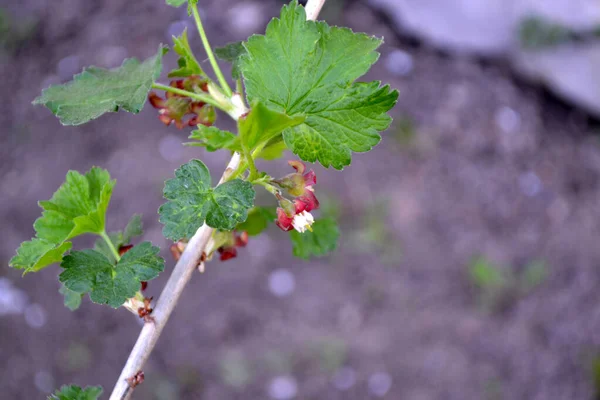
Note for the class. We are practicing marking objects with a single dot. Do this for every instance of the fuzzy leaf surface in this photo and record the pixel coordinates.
(97, 91)
(321, 241)
(188, 65)
(213, 139)
(78, 206)
(232, 52)
(89, 271)
(193, 201)
(308, 68)
(73, 392)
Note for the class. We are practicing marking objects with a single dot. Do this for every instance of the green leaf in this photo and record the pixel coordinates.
(258, 220)
(78, 206)
(192, 201)
(262, 124)
(308, 68)
(179, 3)
(134, 228)
(322, 240)
(72, 299)
(274, 149)
(120, 238)
(73, 392)
(188, 65)
(96, 91)
(89, 271)
(232, 52)
(36, 254)
(176, 3)
(214, 139)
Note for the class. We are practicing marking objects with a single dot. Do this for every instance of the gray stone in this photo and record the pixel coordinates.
(491, 28)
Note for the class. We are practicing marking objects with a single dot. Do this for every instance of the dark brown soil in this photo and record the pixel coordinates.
(476, 164)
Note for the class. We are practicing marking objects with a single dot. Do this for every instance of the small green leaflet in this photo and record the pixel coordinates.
(179, 3)
(308, 68)
(321, 241)
(262, 124)
(78, 206)
(192, 201)
(89, 271)
(96, 91)
(188, 65)
(213, 139)
(73, 392)
(231, 52)
(121, 238)
(72, 299)
(259, 219)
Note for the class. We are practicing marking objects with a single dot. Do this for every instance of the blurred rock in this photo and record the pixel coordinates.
(492, 28)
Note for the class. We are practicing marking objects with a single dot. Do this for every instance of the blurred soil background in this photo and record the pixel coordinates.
(469, 261)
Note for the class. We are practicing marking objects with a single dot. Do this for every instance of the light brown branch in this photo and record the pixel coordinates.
(179, 278)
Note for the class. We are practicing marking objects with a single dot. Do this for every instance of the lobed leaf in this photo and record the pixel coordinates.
(192, 201)
(73, 392)
(89, 271)
(188, 65)
(97, 91)
(78, 206)
(214, 139)
(321, 241)
(307, 68)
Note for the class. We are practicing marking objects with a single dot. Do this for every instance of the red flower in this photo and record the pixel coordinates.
(297, 215)
(229, 250)
(175, 107)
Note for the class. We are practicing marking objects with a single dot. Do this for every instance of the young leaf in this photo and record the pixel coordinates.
(96, 91)
(308, 68)
(322, 240)
(188, 65)
(89, 271)
(258, 220)
(231, 52)
(262, 124)
(274, 149)
(72, 299)
(192, 201)
(214, 139)
(77, 207)
(73, 392)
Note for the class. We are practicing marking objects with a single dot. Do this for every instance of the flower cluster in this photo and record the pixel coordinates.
(175, 107)
(296, 215)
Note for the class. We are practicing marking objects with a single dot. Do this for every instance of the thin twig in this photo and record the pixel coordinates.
(179, 278)
(313, 8)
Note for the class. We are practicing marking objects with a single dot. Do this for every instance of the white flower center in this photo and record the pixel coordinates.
(303, 221)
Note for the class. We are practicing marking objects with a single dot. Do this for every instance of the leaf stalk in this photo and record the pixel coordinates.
(209, 52)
